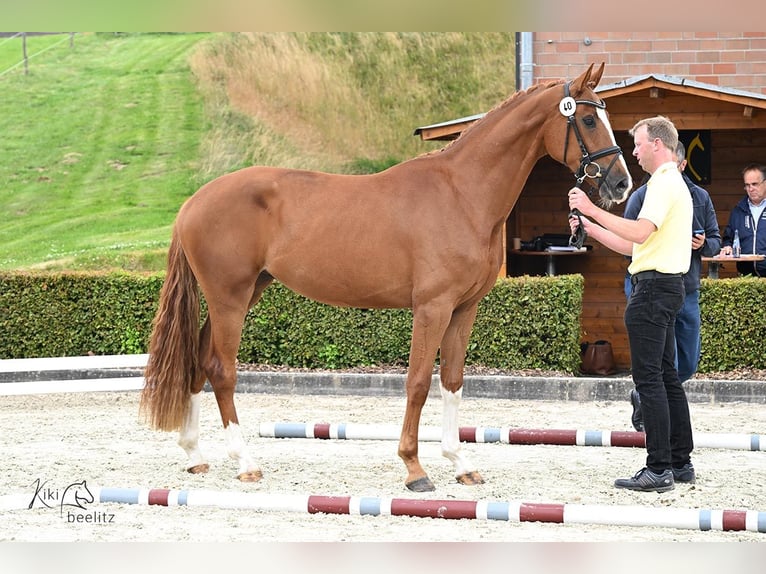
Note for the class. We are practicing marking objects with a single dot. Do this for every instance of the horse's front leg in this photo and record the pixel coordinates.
(453, 348)
(428, 324)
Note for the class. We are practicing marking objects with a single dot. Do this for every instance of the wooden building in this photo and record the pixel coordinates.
(728, 128)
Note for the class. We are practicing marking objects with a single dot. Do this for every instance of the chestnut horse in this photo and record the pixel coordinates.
(425, 234)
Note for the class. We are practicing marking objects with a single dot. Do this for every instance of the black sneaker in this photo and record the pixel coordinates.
(637, 418)
(685, 474)
(647, 481)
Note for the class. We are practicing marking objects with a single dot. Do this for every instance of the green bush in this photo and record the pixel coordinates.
(288, 329)
(525, 322)
(70, 314)
(733, 324)
(529, 322)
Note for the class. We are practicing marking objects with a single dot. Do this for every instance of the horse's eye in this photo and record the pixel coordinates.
(589, 121)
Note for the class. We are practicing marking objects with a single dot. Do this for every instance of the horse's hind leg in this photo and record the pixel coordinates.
(220, 366)
(188, 438)
(452, 365)
(219, 358)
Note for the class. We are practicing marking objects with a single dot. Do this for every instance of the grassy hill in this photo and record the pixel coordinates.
(103, 140)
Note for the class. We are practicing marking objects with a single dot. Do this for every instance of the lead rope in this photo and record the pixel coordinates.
(577, 239)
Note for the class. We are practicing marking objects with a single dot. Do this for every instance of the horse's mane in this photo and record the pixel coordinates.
(511, 100)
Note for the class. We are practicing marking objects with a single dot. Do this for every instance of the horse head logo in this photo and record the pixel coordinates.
(77, 495)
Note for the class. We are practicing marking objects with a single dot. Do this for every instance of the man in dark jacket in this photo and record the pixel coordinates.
(705, 241)
(749, 218)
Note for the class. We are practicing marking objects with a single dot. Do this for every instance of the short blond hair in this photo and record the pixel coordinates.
(661, 128)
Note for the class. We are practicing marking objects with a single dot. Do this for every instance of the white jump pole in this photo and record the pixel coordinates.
(73, 363)
(72, 386)
(86, 362)
(508, 435)
(509, 511)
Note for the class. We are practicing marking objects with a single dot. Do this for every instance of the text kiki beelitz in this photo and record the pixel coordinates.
(72, 502)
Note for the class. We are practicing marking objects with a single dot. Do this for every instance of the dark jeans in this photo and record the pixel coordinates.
(687, 333)
(650, 321)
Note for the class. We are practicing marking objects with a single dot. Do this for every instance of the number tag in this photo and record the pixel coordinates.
(567, 106)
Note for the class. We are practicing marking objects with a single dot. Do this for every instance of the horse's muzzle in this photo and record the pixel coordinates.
(615, 188)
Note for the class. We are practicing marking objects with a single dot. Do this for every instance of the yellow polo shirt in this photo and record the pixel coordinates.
(668, 204)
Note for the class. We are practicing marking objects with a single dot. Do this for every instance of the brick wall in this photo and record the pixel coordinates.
(726, 59)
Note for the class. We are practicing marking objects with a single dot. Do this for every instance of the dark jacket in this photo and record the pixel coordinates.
(741, 218)
(703, 218)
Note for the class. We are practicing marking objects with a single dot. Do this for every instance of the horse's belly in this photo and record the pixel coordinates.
(349, 289)
(346, 282)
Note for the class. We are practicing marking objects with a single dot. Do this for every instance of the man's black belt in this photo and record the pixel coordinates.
(644, 275)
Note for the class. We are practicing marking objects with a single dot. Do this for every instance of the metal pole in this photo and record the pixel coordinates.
(24, 50)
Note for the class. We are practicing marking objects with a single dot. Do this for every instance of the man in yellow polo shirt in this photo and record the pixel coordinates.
(658, 242)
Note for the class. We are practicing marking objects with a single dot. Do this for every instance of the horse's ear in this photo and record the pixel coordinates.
(595, 78)
(588, 78)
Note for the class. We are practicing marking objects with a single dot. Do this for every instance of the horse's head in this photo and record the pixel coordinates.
(580, 137)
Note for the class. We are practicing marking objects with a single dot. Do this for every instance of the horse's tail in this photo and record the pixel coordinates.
(174, 346)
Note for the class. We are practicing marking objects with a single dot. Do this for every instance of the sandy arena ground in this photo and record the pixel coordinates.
(98, 437)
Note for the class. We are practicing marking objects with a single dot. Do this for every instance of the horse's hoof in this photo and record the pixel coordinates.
(470, 478)
(423, 484)
(199, 468)
(250, 476)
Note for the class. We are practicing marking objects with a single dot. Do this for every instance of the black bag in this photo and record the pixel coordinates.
(555, 240)
(544, 241)
(597, 358)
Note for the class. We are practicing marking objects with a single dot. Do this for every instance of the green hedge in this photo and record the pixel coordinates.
(530, 322)
(68, 314)
(733, 324)
(524, 322)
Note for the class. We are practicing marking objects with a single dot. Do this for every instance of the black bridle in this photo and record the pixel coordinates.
(588, 166)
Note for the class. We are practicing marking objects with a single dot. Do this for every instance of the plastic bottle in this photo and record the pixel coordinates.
(736, 250)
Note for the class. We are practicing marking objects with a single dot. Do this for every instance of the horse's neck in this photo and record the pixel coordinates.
(493, 160)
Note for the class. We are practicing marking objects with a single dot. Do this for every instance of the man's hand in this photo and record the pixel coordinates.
(574, 223)
(698, 241)
(579, 200)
